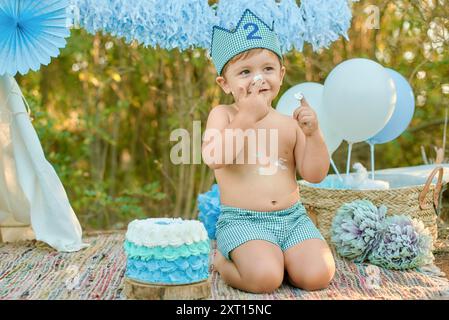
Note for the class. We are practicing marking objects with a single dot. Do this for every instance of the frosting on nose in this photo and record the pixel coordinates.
(257, 77)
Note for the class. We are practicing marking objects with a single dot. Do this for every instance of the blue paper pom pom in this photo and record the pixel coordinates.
(178, 24)
(405, 244)
(325, 21)
(290, 26)
(93, 18)
(185, 24)
(355, 229)
(209, 207)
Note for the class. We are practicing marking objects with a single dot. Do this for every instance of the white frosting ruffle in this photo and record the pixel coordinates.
(164, 232)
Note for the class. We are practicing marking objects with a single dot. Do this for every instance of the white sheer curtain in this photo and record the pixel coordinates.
(30, 189)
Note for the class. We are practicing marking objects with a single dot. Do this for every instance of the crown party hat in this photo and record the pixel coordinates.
(250, 33)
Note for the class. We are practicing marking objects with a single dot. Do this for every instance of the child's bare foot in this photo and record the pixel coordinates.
(219, 259)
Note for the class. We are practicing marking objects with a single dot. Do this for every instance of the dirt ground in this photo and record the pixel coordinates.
(441, 251)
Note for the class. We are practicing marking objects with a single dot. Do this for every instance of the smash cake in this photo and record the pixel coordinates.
(167, 251)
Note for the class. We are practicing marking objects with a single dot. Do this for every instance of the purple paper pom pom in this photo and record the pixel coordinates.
(405, 244)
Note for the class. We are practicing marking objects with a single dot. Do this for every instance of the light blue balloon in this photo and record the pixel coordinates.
(313, 94)
(403, 112)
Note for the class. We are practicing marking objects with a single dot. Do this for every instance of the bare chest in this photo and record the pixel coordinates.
(273, 139)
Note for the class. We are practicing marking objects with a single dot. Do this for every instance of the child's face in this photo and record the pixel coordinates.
(242, 72)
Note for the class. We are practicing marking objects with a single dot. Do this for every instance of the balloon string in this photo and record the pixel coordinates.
(371, 145)
(348, 164)
(336, 170)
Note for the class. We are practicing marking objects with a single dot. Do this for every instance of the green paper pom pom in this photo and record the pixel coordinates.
(356, 229)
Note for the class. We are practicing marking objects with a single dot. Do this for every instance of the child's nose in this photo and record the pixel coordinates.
(253, 83)
(258, 78)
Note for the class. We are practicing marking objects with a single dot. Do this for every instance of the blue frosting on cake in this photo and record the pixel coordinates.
(177, 272)
(167, 251)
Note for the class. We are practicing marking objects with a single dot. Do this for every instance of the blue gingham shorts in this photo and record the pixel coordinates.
(285, 228)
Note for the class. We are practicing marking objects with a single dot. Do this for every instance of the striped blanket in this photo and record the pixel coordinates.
(32, 270)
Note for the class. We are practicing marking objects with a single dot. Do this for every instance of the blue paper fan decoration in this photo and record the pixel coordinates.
(31, 32)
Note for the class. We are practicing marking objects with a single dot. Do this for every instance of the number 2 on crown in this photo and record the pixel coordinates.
(252, 34)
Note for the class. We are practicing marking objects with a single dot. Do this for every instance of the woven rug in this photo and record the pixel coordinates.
(32, 270)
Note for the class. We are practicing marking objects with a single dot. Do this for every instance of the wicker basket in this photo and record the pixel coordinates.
(419, 201)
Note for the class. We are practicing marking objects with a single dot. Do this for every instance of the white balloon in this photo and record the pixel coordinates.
(313, 93)
(359, 98)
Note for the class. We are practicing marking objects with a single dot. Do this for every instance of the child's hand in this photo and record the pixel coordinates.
(252, 104)
(306, 117)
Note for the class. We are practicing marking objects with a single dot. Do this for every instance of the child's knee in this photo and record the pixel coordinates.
(264, 279)
(314, 276)
(318, 282)
(315, 279)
